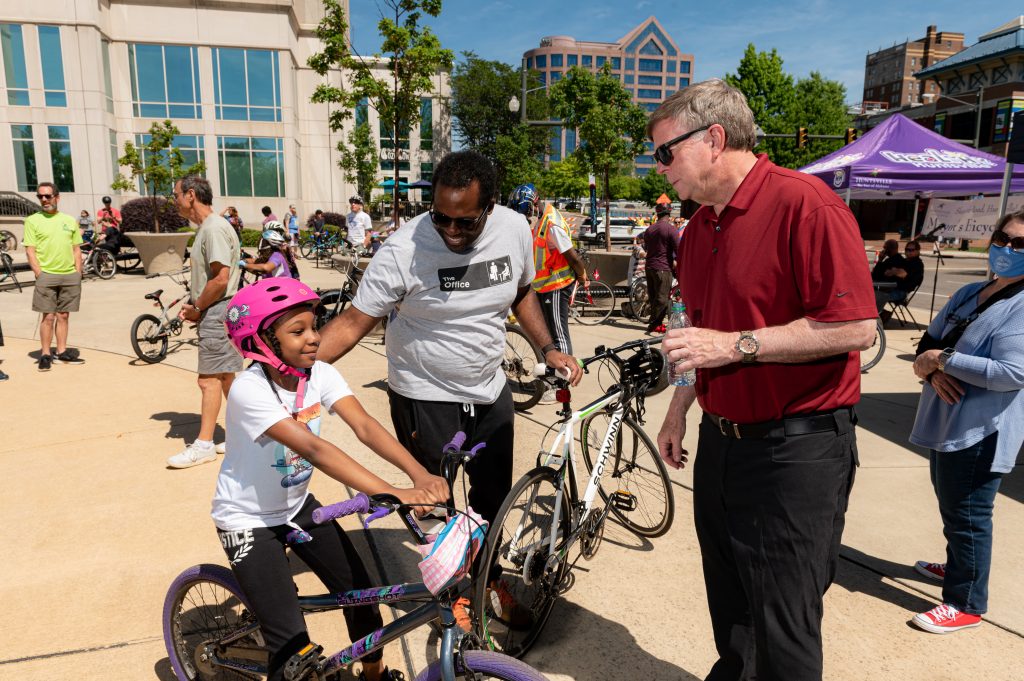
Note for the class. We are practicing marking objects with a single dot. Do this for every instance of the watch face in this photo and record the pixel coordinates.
(748, 345)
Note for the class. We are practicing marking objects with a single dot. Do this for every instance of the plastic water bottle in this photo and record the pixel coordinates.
(679, 320)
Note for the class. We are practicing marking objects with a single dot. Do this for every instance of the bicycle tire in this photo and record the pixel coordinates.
(638, 470)
(131, 259)
(869, 358)
(6, 266)
(489, 664)
(104, 264)
(8, 241)
(332, 303)
(521, 356)
(640, 301)
(204, 602)
(593, 306)
(307, 249)
(530, 503)
(149, 338)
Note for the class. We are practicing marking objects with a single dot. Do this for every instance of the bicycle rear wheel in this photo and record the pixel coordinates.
(149, 338)
(593, 305)
(308, 249)
(103, 263)
(514, 599)
(131, 259)
(639, 300)
(8, 242)
(476, 664)
(634, 467)
(203, 605)
(6, 266)
(521, 356)
(332, 303)
(873, 355)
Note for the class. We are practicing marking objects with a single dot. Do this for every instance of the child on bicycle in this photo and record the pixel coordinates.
(262, 503)
(274, 258)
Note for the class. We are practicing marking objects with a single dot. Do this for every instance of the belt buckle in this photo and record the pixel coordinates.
(723, 423)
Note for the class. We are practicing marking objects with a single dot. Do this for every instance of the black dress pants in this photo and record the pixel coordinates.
(659, 287)
(769, 514)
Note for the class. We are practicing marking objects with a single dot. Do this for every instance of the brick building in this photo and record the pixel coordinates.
(889, 81)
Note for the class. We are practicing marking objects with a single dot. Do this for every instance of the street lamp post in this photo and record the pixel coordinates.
(517, 105)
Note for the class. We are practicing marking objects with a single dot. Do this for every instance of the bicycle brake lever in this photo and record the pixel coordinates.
(379, 513)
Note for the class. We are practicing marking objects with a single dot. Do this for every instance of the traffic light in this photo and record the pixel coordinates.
(801, 138)
(851, 135)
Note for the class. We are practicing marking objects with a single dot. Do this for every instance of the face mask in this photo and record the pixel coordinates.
(1005, 262)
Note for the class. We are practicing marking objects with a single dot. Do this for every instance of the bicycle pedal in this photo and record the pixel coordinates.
(301, 661)
(623, 501)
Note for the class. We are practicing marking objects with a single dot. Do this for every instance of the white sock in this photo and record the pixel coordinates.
(203, 444)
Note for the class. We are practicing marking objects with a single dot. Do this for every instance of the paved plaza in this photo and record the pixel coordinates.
(96, 526)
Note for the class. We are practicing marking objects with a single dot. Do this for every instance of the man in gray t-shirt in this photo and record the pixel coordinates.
(451, 276)
(215, 254)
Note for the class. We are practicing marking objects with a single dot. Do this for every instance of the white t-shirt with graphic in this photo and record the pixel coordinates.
(262, 483)
(447, 341)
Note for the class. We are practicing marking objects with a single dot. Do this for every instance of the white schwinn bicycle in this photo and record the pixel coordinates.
(543, 517)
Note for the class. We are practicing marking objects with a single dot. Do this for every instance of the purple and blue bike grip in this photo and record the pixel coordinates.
(360, 503)
(456, 443)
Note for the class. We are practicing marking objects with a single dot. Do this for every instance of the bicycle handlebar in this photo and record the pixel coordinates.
(360, 503)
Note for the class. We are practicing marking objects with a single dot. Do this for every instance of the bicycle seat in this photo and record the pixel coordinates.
(155, 295)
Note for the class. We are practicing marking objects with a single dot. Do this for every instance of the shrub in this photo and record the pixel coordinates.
(251, 238)
(138, 215)
(334, 220)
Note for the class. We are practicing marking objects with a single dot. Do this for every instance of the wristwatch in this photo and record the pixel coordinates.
(944, 357)
(748, 346)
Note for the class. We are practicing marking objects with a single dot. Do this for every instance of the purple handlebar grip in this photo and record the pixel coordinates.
(360, 503)
(473, 452)
(456, 443)
(379, 513)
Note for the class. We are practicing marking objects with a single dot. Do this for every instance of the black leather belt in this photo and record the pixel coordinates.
(838, 421)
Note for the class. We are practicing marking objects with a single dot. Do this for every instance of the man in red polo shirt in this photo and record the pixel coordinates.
(781, 304)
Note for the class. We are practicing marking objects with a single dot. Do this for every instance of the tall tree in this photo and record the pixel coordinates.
(567, 177)
(611, 127)
(515, 155)
(481, 91)
(653, 185)
(157, 165)
(359, 158)
(414, 56)
(820, 107)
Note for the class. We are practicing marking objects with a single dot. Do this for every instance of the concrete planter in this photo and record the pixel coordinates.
(161, 252)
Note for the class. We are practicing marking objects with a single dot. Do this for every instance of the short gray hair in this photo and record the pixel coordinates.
(706, 103)
(200, 185)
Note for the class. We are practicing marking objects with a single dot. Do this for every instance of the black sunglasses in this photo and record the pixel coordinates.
(663, 154)
(44, 196)
(1002, 239)
(463, 224)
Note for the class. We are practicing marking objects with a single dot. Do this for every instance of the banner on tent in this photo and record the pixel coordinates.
(972, 219)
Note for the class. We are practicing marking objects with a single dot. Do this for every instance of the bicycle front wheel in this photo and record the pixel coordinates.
(482, 664)
(203, 605)
(593, 305)
(332, 303)
(873, 355)
(524, 578)
(521, 356)
(639, 300)
(634, 468)
(8, 242)
(307, 249)
(131, 259)
(149, 338)
(103, 263)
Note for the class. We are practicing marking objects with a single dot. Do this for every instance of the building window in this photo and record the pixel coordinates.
(588, 60)
(24, 157)
(60, 157)
(426, 173)
(362, 112)
(542, 61)
(12, 44)
(165, 81)
(628, 78)
(650, 65)
(648, 80)
(389, 164)
(616, 63)
(426, 123)
(651, 47)
(556, 145)
(670, 81)
(556, 76)
(529, 63)
(387, 136)
(683, 82)
(570, 141)
(543, 77)
(571, 60)
(651, 106)
(251, 166)
(108, 87)
(684, 67)
(556, 61)
(601, 60)
(190, 147)
(116, 168)
(52, 61)
(247, 85)
(645, 160)
(647, 93)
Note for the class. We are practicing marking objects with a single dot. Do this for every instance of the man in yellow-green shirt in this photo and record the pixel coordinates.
(53, 246)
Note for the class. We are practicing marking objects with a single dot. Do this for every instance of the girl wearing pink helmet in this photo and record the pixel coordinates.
(273, 424)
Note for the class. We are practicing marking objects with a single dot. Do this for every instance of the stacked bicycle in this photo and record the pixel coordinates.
(544, 517)
(210, 632)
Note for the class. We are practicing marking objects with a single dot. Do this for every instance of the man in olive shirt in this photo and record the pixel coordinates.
(53, 246)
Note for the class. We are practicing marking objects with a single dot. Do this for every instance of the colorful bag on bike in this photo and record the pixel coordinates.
(450, 553)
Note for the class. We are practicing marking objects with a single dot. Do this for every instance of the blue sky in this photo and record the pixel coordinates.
(810, 35)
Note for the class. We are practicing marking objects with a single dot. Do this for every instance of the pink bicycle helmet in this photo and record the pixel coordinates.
(257, 306)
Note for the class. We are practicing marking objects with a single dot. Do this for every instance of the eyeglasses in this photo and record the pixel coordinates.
(44, 196)
(663, 154)
(1002, 239)
(463, 224)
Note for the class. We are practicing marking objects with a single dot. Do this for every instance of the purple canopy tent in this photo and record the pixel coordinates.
(901, 159)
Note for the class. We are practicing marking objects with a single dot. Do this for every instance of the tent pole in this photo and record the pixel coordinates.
(847, 199)
(913, 222)
(1004, 195)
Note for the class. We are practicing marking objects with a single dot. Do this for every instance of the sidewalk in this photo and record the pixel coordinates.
(97, 526)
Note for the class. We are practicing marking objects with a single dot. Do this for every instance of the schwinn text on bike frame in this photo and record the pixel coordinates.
(609, 437)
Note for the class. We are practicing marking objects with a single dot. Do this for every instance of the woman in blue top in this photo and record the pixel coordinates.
(971, 416)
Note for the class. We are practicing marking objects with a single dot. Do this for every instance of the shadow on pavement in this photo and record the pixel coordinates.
(185, 427)
(860, 572)
(163, 670)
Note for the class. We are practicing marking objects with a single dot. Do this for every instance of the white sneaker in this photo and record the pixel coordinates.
(192, 456)
(220, 448)
(548, 397)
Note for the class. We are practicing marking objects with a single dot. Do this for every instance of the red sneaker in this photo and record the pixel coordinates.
(935, 571)
(659, 329)
(945, 619)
